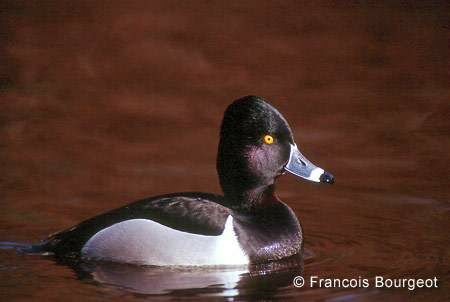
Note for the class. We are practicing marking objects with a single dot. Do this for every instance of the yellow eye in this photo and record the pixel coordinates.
(268, 139)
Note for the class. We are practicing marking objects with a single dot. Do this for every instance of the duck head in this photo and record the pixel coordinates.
(256, 146)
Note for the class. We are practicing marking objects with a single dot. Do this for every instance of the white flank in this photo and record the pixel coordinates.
(143, 241)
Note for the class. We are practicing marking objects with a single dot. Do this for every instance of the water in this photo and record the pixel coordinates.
(94, 117)
(345, 239)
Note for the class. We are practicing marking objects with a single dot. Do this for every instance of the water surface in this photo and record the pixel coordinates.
(106, 104)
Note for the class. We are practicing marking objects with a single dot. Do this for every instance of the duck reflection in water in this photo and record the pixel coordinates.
(225, 281)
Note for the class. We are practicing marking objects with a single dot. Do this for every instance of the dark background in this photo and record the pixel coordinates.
(107, 102)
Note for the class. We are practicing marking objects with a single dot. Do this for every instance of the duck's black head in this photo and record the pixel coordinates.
(256, 145)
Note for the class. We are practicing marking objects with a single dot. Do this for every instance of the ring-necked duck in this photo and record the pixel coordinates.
(248, 224)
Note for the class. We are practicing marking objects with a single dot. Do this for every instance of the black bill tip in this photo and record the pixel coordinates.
(327, 178)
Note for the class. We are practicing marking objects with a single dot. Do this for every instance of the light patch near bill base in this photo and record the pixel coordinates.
(299, 165)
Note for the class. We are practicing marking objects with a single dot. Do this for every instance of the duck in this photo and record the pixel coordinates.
(247, 224)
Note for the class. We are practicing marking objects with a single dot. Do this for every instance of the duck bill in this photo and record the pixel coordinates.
(299, 165)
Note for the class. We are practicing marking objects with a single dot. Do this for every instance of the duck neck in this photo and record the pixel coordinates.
(251, 199)
(244, 189)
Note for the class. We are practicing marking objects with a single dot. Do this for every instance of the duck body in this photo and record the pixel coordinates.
(248, 224)
(187, 228)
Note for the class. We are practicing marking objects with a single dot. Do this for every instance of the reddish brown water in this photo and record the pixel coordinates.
(104, 104)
